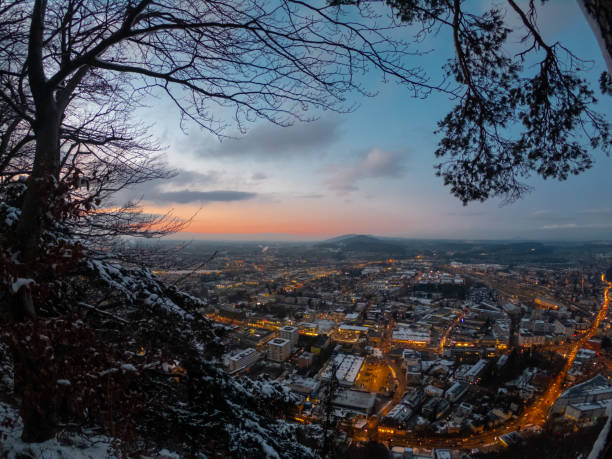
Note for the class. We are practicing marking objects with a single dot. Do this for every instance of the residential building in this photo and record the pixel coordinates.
(290, 333)
(279, 349)
(593, 390)
(456, 391)
(242, 359)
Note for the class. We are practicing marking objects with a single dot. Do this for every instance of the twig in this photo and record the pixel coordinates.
(185, 276)
(108, 314)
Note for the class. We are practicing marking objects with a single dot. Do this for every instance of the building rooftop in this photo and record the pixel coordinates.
(242, 354)
(352, 328)
(587, 406)
(304, 385)
(355, 399)
(410, 335)
(457, 388)
(348, 368)
(593, 386)
(399, 413)
(279, 342)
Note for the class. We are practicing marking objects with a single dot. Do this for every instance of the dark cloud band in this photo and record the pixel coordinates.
(189, 196)
(275, 141)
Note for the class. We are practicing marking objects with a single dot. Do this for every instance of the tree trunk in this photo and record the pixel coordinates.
(41, 183)
(38, 411)
(38, 407)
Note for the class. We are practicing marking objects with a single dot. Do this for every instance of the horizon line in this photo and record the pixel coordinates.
(290, 237)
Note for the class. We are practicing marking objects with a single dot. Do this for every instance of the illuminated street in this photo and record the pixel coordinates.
(453, 334)
(535, 414)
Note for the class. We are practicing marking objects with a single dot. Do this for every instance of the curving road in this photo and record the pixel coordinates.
(535, 414)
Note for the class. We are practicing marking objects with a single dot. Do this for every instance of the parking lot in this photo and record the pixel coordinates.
(374, 377)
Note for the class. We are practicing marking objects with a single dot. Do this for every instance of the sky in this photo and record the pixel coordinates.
(370, 171)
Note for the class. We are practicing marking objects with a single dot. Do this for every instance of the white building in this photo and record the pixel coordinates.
(411, 357)
(242, 359)
(594, 390)
(404, 334)
(527, 339)
(471, 373)
(304, 386)
(456, 391)
(290, 333)
(433, 391)
(309, 329)
(587, 412)
(279, 349)
(355, 401)
(348, 367)
(565, 327)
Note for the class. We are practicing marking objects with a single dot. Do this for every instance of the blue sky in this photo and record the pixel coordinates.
(371, 170)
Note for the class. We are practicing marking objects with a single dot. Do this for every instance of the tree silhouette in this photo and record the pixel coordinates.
(75, 70)
(517, 112)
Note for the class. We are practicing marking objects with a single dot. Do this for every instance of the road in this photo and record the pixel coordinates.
(535, 414)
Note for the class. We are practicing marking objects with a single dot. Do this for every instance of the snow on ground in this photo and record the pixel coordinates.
(165, 303)
(76, 447)
(22, 281)
(11, 214)
(72, 446)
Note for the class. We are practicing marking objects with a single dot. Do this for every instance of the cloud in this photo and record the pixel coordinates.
(576, 226)
(181, 180)
(579, 219)
(191, 196)
(194, 178)
(375, 163)
(558, 226)
(269, 140)
(259, 176)
(602, 213)
(184, 188)
(310, 196)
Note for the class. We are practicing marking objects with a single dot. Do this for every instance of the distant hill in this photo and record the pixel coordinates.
(362, 243)
(345, 237)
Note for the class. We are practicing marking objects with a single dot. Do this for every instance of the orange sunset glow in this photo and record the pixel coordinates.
(303, 218)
